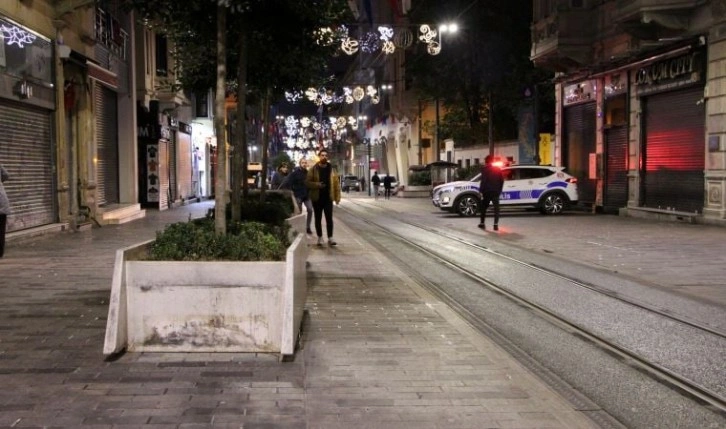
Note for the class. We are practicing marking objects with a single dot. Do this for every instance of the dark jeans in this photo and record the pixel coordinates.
(3, 225)
(387, 193)
(493, 198)
(320, 207)
(308, 208)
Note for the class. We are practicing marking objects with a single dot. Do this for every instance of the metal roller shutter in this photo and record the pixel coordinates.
(106, 112)
(674, 158)
(578, 145)
(184, 166)
(616, 173)
(25, 151)
(173, 186)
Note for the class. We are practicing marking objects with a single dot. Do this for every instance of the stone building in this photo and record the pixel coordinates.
(640, 102)
(66, 93)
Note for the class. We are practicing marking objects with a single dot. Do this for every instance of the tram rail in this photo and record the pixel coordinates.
(686, 386)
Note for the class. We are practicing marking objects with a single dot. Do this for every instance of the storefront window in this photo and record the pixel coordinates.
(24, 53)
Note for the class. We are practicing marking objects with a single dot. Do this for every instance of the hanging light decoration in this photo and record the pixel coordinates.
(370, 42)
(349, 46)
(403, 38)
(358, 93)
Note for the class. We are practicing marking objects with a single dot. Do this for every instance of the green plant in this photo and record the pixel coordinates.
(274, 211)
(197, 240)
(419, 178)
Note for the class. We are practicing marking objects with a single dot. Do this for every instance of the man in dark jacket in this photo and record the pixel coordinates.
(295, 182)
(324, 188)
(490, 187)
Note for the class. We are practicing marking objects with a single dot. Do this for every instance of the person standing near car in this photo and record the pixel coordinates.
(295, 181)
(376, 181)
(324, 186)
(4, 208)
(490, 187)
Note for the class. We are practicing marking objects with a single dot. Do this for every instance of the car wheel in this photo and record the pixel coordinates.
(468, 205)
(553, 203)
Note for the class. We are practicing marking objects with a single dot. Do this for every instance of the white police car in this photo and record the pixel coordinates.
(545, 187)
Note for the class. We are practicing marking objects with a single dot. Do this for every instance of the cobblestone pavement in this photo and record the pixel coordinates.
(378, 351)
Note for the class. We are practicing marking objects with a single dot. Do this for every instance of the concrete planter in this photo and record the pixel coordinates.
(215, 306)
(415, 192)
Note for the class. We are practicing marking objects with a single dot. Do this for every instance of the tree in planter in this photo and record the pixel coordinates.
(272, 56)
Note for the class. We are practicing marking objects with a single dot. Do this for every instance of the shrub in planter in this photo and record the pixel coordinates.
(419, 178)
(197, 240)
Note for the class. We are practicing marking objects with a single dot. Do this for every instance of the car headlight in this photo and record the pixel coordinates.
(445, 199)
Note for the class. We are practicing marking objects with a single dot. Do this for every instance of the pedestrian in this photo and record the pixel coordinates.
(490, 187)
(376, 181)
(362, 184)
(295, 181)
(324, 187)
(387, 185)
(4, 208)
(278, 176)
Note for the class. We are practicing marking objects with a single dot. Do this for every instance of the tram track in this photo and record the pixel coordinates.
(702, 394)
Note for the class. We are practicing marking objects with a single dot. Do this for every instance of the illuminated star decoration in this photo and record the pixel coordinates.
(16, 35)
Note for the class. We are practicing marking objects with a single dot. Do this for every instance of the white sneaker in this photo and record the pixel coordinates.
(331, 242)
(320, 241)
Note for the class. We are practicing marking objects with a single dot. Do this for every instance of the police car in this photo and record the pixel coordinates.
(544, 187)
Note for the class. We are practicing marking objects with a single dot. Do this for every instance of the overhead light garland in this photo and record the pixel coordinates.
(320, 96)
(387, 39)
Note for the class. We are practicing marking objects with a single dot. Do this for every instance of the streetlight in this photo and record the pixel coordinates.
(447, 28)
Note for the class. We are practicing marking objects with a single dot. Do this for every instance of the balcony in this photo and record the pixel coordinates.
(654, 19)
(564, 41)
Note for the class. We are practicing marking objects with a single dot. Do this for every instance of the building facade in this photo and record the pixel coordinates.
(640, 91)
(65, 68)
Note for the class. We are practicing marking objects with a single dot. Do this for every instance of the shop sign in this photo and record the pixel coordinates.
(580, 92)
(152, 173)
(616, 84)
(669, 74)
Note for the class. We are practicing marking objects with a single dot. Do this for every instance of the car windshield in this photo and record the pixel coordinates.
(475, 178)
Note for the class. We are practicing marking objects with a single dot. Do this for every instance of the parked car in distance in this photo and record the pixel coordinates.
(350, 183)
(544, 187)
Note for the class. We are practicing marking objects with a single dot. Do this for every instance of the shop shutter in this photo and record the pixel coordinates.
(184, 165)
(616, 170)
(578, 144)
(25, 151)
(674, 158)
(106, 112)
(173, 188)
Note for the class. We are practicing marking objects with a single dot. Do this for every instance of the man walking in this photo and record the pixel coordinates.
(324, 186)
(387, 183)
(376, 181)
(295, 182)
(490, 187)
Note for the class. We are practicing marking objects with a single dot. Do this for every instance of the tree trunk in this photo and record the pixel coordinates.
(220, 185)
(240, 153)
(264, 118)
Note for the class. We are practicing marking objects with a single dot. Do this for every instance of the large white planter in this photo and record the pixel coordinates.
(415, 192)
(216, 306)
